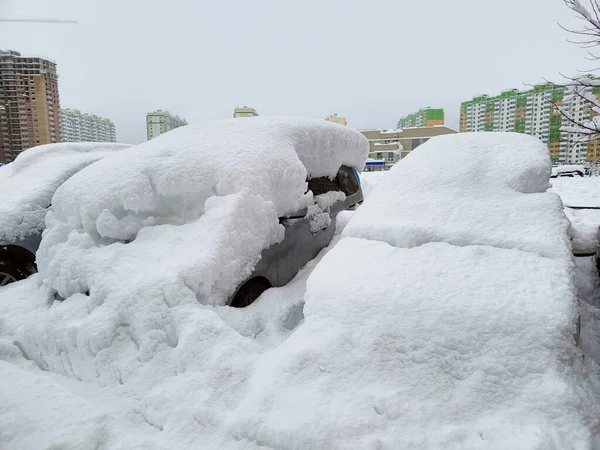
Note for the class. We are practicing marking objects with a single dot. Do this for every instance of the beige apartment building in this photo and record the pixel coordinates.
(392, 145)
(29, 103)
(337, 119)
(159, 122)
(244, 112)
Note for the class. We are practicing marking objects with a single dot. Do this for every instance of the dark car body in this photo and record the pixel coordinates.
(280, 263)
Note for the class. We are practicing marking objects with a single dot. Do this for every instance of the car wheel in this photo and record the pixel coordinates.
(248, 293)
(10, 273)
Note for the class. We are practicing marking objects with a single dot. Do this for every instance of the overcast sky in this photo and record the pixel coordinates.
(371, 61)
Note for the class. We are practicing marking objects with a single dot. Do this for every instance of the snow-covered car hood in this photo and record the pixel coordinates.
(29, 182)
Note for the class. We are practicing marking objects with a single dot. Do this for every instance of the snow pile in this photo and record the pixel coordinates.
(465, 189)
(28, 183)
(584, 230)
(577, 191)
(368, 181)
(581, 192)
(464, 338)
(431, 347)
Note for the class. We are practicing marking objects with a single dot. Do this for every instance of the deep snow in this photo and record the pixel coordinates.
(454, 338)
(29, 182)
(465, 189)
(175, 211)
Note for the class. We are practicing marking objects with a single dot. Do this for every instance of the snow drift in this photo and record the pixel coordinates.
(29, 182)
(431, 347)
(465, 189)
(418, 341)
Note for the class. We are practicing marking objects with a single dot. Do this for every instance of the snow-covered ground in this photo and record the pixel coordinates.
(443, 315)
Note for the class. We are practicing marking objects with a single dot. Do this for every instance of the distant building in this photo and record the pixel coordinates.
(29, 103)
(532, 112)
(244, 112)
(337, 119)
(392, 145)
(426, 117)
(81, 127)
(159, 122)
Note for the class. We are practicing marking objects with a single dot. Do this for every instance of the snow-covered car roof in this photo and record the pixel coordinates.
(29, 182)
(457, 189)
(270, 156)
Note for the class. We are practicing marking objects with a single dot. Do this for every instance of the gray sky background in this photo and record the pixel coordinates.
(371, 61)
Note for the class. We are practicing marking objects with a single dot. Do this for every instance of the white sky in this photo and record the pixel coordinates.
(371, 61)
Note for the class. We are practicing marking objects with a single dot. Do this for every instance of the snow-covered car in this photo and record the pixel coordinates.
(568, 171)
(27, 186)
(445, 317)
(225, 209)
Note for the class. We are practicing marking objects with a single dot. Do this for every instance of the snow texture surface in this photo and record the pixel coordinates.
(465, 189)
(439, 347)
(173, 214)
(29, 182)
(445, 339)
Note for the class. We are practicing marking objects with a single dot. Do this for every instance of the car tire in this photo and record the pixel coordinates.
(10, 272)
(249, 292)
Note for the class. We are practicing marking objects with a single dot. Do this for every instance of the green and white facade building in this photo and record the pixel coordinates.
(532, 112)
(426, 117)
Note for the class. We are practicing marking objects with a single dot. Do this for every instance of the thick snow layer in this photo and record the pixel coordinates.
(585, 223)
(368, 181)
(28, 184)
(172, 217)
(168, 179)
(430, 347)
(468, 188)
(577, 191)
(153, 372)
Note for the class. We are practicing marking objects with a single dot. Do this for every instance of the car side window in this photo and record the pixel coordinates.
(348, 181)
(322, 185)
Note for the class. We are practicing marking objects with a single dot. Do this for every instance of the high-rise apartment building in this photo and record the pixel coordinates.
(159, 122)
(29, 103)
(80, 127)
(532, 112)
(426, 117)
(244, 112)
(337, 119)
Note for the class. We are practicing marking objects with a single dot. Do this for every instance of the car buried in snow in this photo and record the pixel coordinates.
(306, 234)
(27, 185)
(224, 210)
(569, 171)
